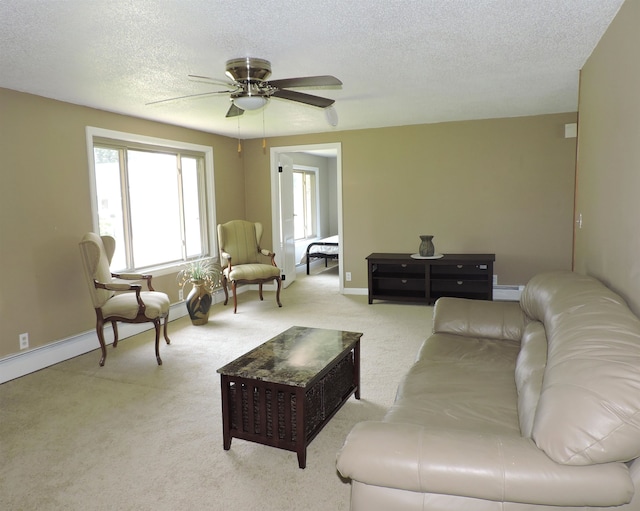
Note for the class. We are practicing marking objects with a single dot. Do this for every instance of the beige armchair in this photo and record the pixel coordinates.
(116, 301)
(242, 258)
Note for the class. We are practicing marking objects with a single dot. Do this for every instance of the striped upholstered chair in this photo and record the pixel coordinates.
(243, 261)
(115, 300)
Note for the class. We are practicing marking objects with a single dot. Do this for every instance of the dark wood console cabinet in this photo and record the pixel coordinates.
(399, 277)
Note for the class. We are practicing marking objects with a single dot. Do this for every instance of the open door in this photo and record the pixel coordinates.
(287, 247)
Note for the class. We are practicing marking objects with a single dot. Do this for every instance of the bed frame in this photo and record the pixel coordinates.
(319, 253)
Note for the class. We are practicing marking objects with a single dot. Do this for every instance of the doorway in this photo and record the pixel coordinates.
(280, 161)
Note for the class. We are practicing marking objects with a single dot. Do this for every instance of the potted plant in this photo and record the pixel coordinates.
(204, 275)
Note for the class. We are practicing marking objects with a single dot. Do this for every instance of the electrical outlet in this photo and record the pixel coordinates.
(180, 294)
(495, 280)
(24, 341)
(348, 276)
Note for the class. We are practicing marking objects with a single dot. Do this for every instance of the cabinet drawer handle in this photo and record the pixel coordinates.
(403, 265)
(404, 281)
(460, 282)
(460, 266)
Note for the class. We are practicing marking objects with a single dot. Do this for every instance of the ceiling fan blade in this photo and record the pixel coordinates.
(300, 97)
(234, 111)
(190, 96)
(306, 81)
(207, 79)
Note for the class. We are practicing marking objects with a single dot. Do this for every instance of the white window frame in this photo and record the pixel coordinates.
(316, 210)
(93, 133)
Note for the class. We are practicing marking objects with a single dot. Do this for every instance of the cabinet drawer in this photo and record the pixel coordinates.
(400, 270)
(459, 286)
(460, 269)
(398, 284)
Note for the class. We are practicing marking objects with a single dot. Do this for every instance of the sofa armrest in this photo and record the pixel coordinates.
(476, 465)
(479, 318)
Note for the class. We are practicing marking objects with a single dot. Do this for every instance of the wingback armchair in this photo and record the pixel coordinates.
(120, 301)
(243, 261)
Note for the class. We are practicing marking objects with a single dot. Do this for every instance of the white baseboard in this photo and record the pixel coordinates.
(21, 364)
(356, 291)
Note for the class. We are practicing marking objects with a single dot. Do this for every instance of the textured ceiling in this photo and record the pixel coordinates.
(401, 61)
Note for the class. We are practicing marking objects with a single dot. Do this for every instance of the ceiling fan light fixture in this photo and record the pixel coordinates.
(250, 102)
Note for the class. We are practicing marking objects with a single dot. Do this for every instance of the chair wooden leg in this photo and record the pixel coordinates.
(226, 292)
(235, 296)
(260, 291)
(114, 324)
(279, 282)
(103, 347)
(156, 323)
(166, 337)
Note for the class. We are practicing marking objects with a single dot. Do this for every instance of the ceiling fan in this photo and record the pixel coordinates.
(250, 90)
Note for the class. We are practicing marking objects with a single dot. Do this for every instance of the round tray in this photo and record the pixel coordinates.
(434, 256)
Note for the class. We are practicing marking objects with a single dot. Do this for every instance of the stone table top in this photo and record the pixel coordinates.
(295, 357)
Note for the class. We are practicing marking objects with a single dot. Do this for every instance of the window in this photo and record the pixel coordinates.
(305, 217)
(154, 197)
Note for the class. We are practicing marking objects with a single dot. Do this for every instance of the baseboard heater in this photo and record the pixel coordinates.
(507, 293)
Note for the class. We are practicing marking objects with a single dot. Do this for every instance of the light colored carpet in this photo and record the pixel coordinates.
(133, 435)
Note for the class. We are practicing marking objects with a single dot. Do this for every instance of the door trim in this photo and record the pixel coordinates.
(275, 194)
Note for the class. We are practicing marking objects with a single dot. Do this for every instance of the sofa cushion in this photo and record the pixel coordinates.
(460, 383)
(589, 407)
(479, 318)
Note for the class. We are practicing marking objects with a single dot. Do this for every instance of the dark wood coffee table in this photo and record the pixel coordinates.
(283, 392)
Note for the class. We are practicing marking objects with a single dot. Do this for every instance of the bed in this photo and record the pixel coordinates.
(326, 249)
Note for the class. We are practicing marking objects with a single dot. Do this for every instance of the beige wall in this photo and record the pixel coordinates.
(608, 190)
(502, 186)
(45, 209)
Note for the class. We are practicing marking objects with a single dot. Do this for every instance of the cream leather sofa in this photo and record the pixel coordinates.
(511, 407)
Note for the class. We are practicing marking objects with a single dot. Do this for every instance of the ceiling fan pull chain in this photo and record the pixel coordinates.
(264, 138)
